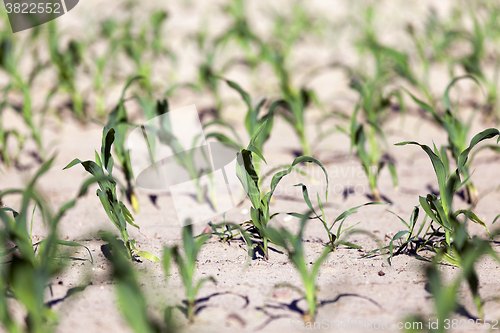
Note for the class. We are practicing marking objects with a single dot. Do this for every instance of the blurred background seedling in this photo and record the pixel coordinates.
(10, 54)
(67, 61)
(118, 120)
(252, 123)
(6, 136)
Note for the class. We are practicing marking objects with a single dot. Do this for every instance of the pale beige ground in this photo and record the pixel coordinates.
(351, 288)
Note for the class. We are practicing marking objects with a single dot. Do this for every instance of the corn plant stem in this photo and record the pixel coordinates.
(310, 287)
(306, 149)
(266, 250)
(374, 156)
(190, 309)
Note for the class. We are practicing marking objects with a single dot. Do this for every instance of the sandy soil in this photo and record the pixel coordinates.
(351, 289)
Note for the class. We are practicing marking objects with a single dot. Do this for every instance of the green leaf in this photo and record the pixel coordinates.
(473, 217)
(109, 138)
(257, 152)
(73, 163)
(446, 96)
(486, 134)
(248, 177)
(75, 244)
(438, 165)
(148, 256)
(256, 134)
(246, 97)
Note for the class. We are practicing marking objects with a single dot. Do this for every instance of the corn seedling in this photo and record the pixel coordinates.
(187, 265)
(103, 62)
(294, 102)
(390, 63)
(116, 210)
(31, 266)
(440, 209)
(249, 178)
(474, 65)
(208, 73)
(372, 159)
(252, 122)
(434, 44)
(367, 135)
(293, 245)
(240, 31)
(67, 62)
(137, 45)
(118, 120)
(131, 300)
(458, 133)
(335, 239)
(445, 296)
(290, 29)
(9, 62)
(5, 135)
(411, 240)
(188, 159)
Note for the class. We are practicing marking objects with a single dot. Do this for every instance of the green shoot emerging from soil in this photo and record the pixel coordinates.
(293, 245)
(249, 178)
(439, 209)
(30, 267)
(187, 265)
(458, 133)
(131, 300)
(116, 210)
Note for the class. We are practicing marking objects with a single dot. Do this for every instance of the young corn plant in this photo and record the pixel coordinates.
(67, 63)
(390, 63)
(5, 136)
(434, 44)
(116, 210)
(249, 178)
(293, 245)
(241, 32)
(474, 64)
(366, 134)
(374, 158)
(207, 73)
(29, 267)
(137, 46)
(104, 62)
(131, 300)
(336, 239)
(186, 158)
(298, 25)
(10, 63)
(412, 240)
(118, 120)
(293, 101)
(187, 266)
(458, 133)
(440, 209)
(445, 296)
(252, 123)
